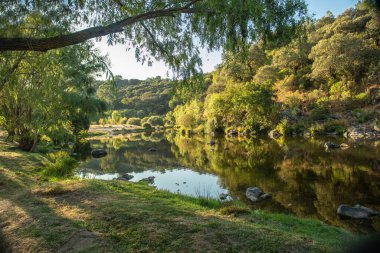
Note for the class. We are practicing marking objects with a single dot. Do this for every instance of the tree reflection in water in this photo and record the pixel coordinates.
(304, 179)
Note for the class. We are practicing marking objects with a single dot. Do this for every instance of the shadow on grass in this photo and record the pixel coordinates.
(27, 221)
(127, 217)
(137, 218)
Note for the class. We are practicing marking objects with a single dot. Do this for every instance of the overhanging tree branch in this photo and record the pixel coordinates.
(45, 44)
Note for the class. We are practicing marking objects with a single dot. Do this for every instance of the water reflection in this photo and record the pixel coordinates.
(304, 179)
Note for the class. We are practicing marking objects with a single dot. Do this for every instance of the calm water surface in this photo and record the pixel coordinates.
(304, 178)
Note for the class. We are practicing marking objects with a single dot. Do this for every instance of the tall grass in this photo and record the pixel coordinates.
(61, 165)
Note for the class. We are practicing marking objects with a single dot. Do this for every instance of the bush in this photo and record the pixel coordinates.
(62, 165)
(335, 126)
(116, 116)
(147, 126)
(319, 112)
(283, 127)
(102, 121)
(144, 120)
(134, 121)
(316, 129)
(362, 116)
(123, 120)
(156, 121)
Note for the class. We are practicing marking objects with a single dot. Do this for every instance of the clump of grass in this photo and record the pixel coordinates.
(205, 199)
(234, 208)
(61, 166)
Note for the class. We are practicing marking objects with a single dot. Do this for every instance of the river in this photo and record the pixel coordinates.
(303, 177)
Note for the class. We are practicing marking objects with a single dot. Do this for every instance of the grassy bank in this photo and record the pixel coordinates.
(39, 215)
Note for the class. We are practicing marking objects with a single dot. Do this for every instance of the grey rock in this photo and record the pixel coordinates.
(266, 196)
(362, 131)
(152, 150)
(149, 180)
(98, 153)
(223, 196)
(125, 177)
(330, 144)
(356, 212)
(253, 193)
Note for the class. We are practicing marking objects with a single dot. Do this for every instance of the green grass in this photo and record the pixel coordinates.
(111, 216)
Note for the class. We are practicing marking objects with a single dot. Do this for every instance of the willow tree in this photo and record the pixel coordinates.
(169, 30)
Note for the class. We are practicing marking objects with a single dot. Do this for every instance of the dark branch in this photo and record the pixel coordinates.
(7, 75)
(45, 44)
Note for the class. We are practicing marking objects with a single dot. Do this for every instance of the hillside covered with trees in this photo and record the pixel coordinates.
(136, 98)
(322, 82)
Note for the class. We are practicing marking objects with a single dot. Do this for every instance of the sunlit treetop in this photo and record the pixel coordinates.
(170, 30)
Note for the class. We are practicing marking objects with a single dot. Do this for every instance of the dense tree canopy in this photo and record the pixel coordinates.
(164, 29)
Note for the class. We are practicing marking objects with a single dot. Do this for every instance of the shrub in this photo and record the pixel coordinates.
(144, 120)
(62, 165)
(147, 126)
(316, 129)
(134, 121)
(362, 116)
(319, 112)
(102, 121)
(116, 116)
(156, 121)
(335, 126)
(123, 120)
(283, 127)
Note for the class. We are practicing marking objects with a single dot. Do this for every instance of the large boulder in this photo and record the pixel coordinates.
(255, 194)
(149, 180)
(356, 212)
(125, 177)
(98, 153)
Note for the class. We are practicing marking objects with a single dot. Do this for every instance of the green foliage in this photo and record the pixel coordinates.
(168, 35)
(136, 98)
(319, 112)
(155, 121)
(334, 126)
(134, 121)
(123, 120)
(62, 165)
(116, 116)
(188, 116)
(147, 126)
(283, 127)
(362, 116)
(48, 94)
(326, 70)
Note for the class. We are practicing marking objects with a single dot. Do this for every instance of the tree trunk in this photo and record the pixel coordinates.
(36, 140)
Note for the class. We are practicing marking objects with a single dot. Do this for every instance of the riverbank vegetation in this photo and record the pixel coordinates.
(39, 214)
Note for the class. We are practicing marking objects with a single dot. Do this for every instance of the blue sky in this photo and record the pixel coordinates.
(124, 63)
